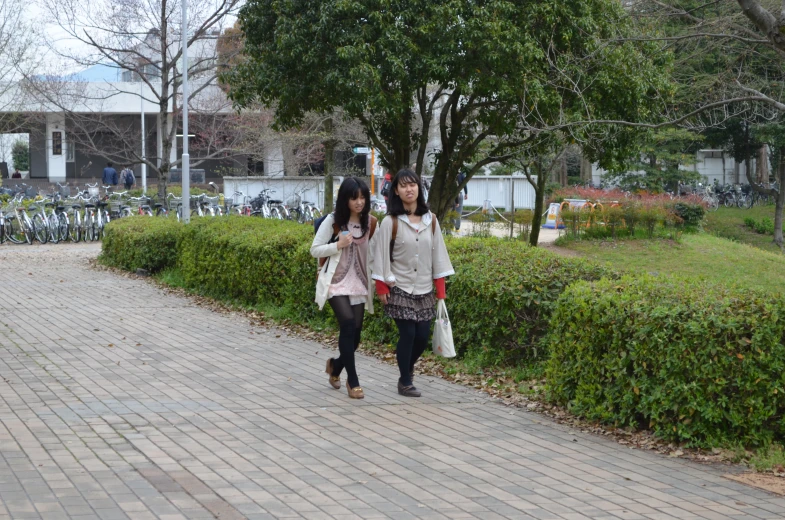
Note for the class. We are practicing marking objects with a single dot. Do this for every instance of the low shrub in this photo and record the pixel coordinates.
(690, 213)
(503, 294)
(695, 362)
(250, 260)
(141, 243)
(764, 226)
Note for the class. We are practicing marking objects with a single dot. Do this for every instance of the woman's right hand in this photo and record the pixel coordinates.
(344, 240)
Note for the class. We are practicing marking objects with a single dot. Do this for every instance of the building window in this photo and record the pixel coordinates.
(70, 151)
(57, 143)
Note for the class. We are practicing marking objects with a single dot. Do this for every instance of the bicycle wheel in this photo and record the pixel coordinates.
(75, 228)
(40, 228)
(315, 213)
(62, 225)
(14, 231)
(54, 229)
(90, 227)
(749, 201)
(729, 202)
(274, 213)
(28, 228)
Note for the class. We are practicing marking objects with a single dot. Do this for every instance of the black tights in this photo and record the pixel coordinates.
(412, 342)
(350, 321)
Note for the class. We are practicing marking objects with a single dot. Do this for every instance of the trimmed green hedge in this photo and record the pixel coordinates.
(503, 293)
(500, 298)
(695, 362)
(141, 243)
(251, 260)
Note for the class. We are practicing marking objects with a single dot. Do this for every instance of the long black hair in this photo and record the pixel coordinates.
(350, 189)
(395, 204)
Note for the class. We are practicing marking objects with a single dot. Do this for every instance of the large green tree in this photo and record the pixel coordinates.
(483, 79)
(20, 155)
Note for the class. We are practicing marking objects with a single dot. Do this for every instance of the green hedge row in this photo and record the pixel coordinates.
(695, 362)
(137, 243)
(501, 297)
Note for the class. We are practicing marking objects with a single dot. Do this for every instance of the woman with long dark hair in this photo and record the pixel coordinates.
(343, 240)
(409, 259)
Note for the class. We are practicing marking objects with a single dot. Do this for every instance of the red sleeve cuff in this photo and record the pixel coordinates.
(381, 287)
(441, 289)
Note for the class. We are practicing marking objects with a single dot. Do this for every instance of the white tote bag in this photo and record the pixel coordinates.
(442, 344)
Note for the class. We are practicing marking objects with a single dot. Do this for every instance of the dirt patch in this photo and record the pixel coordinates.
(562, 251)
(765, 481)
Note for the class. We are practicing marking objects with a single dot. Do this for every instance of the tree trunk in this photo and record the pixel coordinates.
(329, 166)
(563, 170)
(780, 199)
(539, 203)
(441, 197)
(762, 165)
(586, 176)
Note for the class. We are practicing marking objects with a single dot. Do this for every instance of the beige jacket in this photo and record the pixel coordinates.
(320, 249)
(419, 255)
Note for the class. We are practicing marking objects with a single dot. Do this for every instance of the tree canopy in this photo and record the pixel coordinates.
(480, 81)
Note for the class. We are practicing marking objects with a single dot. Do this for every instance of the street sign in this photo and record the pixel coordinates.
(359, 150)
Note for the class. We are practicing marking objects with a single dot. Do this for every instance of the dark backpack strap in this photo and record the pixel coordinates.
(394, 234)
(323, 260)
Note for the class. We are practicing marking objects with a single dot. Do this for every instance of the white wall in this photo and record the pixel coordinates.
(55, 163)
(285, 187)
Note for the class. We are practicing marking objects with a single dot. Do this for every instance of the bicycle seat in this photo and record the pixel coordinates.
(102, 204)
(47, 204)
(275, 201)
(76, 206)
(32, 208)
(158, 205)
(60, 208)
(144, 206)
(89, 205)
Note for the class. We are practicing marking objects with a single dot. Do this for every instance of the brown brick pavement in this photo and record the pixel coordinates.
(118, 401)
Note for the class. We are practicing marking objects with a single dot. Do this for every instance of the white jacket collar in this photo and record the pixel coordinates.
(425, 221)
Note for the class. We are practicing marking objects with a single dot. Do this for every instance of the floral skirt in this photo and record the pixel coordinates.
(404, 306)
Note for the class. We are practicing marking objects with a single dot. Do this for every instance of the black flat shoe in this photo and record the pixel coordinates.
(408, 391)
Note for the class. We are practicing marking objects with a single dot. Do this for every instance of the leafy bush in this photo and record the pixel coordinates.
(697, 363)
(141, 243)
(251, 260)
(764, 226)
(503, 293)
(690, 213)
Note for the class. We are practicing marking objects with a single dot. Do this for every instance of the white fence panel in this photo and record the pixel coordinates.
(285, 187)
(481, 188)
(496, 188)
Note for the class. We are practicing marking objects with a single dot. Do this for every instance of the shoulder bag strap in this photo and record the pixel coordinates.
(394, 234)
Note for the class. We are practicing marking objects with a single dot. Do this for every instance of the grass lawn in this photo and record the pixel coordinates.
(701, 255)
(729, 223)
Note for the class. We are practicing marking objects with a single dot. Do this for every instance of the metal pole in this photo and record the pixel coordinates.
(512, 207)
(144, 157)
(186, 167)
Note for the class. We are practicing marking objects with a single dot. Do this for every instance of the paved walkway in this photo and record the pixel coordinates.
(119, 401)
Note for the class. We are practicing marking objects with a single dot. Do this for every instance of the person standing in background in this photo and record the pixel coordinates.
(109, 178)
(459, 200)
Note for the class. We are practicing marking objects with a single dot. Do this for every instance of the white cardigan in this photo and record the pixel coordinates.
(320, 249)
